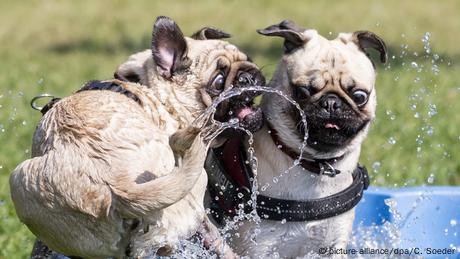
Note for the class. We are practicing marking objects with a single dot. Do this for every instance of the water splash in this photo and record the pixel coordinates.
(208, 117)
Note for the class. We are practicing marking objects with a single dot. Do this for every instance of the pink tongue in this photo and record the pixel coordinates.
(243, 112)
(331, 126)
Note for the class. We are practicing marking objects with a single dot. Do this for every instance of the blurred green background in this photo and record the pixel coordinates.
(56, 46)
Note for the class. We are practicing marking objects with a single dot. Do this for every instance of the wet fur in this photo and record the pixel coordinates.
(105, 173)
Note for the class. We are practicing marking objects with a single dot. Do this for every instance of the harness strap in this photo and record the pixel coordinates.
(315, 209)
(111, 85)
(232, 194)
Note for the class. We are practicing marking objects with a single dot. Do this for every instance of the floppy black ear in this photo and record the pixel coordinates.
(169, 47)
(292, 34)
(209, 33)
(367, 39)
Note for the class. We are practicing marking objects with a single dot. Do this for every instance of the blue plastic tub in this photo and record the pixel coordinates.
(427, 218)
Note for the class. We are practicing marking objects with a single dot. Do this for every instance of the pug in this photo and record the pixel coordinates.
(311, 206)
(117, 168)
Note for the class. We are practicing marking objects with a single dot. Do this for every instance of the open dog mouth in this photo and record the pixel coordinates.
(243, 109)
(244, 105)
(248, 113)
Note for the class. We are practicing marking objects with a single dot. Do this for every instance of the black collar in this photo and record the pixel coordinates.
(317, 166)
(315, 209)
(229, 185)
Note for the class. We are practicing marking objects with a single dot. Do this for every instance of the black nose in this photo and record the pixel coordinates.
(245, 78)
(330, 102)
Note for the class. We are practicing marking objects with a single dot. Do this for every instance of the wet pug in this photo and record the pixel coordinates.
(333, 81)
(103, 181)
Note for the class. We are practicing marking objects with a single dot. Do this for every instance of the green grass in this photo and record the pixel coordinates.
(55, 46)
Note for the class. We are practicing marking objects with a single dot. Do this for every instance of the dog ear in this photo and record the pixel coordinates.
(133, 69)
(292, 34)
(209, 33)
(169, 47)
(367, 39)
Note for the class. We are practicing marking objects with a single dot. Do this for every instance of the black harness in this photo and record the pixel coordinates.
(230, 181)
(111, 85)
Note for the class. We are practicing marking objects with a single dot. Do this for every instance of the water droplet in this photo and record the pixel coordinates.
(234, 121)
(430, 179)
(453, 222)
(419, 140)
(392, 204)
(240, 195)
(432, 110)
(216, 198)
(417, 115)
(391, 115)
(414, 64)
(264, 187)
(275, 179)
(429, 131)
(24, 123)
(283, 221)
(392, 140)
(376, 167)
(435, 69)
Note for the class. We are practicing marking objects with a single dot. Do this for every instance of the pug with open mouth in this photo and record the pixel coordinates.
(117, 168)
(311, 206)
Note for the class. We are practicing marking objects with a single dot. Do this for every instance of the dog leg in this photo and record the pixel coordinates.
(139, 200)
(182, 140)
(213, 241)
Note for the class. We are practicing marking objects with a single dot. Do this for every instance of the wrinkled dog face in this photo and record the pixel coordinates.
(225, 67)
(332, 80)
(199, 68)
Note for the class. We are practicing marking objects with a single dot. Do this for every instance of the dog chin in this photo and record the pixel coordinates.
(330, 137)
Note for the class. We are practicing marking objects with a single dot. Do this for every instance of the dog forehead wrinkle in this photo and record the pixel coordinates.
(355, 62)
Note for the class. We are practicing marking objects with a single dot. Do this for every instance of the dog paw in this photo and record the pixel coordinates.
(210, 132)
(182, 140)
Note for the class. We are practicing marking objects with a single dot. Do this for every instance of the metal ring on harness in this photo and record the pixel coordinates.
(34, 105)
(329, 170)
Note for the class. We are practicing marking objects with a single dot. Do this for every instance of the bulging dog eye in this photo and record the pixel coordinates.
(218, 82)
(360, 97)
